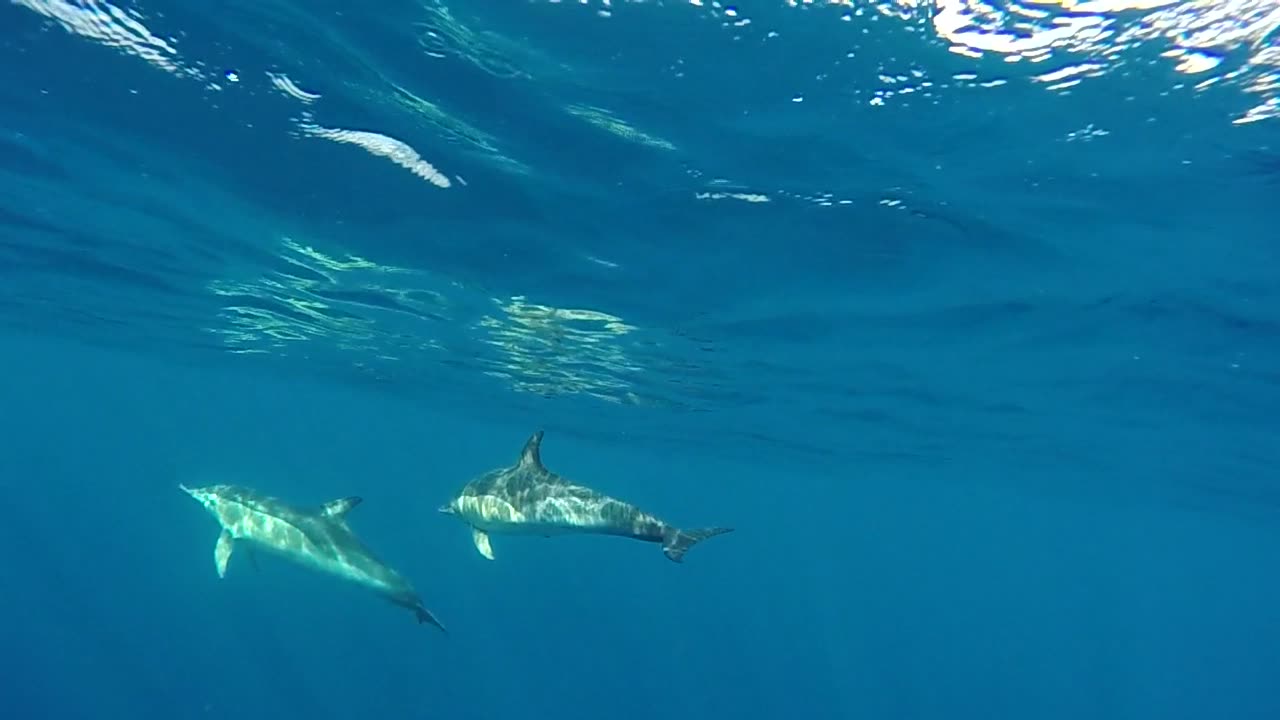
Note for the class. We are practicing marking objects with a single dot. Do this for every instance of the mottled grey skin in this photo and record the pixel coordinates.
(319, 539)
(528, 499)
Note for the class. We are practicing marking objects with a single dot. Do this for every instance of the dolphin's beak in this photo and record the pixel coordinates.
(446, 509)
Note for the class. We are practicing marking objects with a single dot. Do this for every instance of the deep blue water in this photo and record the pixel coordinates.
(982, 366)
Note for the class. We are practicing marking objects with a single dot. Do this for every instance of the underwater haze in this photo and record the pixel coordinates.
(964, 316)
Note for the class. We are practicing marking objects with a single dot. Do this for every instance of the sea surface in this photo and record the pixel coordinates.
(964, 315)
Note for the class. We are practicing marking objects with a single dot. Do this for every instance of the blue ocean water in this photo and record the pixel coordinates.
(962, 314)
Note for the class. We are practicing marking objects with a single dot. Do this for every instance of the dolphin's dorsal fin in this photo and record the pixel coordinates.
(530, 457)
(338, 509)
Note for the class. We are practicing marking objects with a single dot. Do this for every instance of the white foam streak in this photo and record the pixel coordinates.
(394, 150)
(286, 85)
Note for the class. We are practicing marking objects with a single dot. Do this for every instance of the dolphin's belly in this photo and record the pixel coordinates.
(532, 528)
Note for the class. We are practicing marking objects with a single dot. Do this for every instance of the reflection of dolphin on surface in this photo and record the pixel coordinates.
(319, 539)
(528, 499)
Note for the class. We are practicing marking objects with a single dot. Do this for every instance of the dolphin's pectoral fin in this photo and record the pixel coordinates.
(253, 558)
(222, 552)
(481, 539)
(338, 509)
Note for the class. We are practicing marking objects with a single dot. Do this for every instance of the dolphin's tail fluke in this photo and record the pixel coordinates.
(424, 616)
(420, 611)
(676, 542)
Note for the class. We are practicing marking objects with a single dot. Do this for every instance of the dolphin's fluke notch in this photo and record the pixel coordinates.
(676, 542)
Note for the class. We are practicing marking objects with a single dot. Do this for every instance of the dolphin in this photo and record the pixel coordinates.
(528, 499)
(317, 538)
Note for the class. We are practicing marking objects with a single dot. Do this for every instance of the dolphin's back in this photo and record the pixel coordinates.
(534, 500)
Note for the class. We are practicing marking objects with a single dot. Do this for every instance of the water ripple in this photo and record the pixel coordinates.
(754, 216)
(105, 23)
